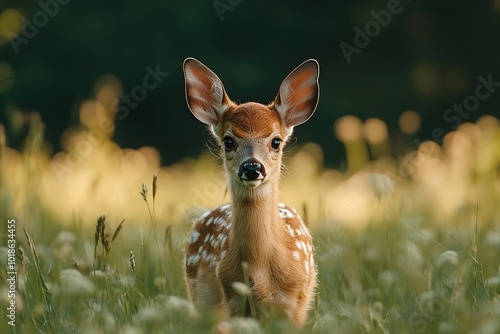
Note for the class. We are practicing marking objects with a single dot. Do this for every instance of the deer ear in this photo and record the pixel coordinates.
(205, 94)
(299, 94)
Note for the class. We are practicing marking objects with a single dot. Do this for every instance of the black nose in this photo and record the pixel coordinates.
(251, 170)
(251, 166)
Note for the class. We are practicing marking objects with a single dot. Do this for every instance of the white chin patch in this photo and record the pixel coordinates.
(252, 183)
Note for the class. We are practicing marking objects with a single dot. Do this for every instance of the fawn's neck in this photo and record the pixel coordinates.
(255, 230)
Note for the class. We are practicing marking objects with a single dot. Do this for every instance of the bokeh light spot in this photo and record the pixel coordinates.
(10, 23)
(488, 125)
(375, 131)
(348, 129)
(409, 122)
(425, 79)
(6, 77)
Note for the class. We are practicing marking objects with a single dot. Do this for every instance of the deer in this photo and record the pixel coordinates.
(254, 229)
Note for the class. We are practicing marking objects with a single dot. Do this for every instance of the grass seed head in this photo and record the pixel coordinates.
(20, 254)
(447, 259)
(155, 178)
(149, 316)
(105, 241)
(132, 261)
(117, 231)
(75, 284)
(239, 325)
(182, 307)
(98, 276)
(144, 193)
(493, 283)
(242, 289)
(99, 227)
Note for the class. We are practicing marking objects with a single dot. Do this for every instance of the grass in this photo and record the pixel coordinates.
(421, 256)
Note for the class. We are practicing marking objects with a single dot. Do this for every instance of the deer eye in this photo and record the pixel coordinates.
(228, 143)
(275, 143)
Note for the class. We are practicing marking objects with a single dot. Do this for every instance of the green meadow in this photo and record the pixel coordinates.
(408, 245)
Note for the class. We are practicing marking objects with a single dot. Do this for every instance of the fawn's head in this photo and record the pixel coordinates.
(252, 134)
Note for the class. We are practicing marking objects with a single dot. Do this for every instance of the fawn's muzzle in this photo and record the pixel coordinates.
(251, 173)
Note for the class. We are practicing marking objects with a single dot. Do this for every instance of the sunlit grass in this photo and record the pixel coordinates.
(402, 246)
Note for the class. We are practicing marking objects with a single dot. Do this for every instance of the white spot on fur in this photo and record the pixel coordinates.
(304, 247)
(222, 255)
(223, 241)
(209, 221)
(298, 244)
(214, 242)
(217, 220)
(207, 237)
(290, 231)
(284, 213)
(193, 259)
(194, 237)
(296, 255)
(204, 215)
(226, 208)
(305, 230)
(211, 260)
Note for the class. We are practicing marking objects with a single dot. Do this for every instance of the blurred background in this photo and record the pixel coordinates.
(93, 85)
(427, 58)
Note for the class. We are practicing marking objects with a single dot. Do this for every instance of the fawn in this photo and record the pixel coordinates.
(255, 228)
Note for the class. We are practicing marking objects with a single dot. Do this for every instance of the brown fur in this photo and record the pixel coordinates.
(250, 120)
(278, 279)
(255, 228)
